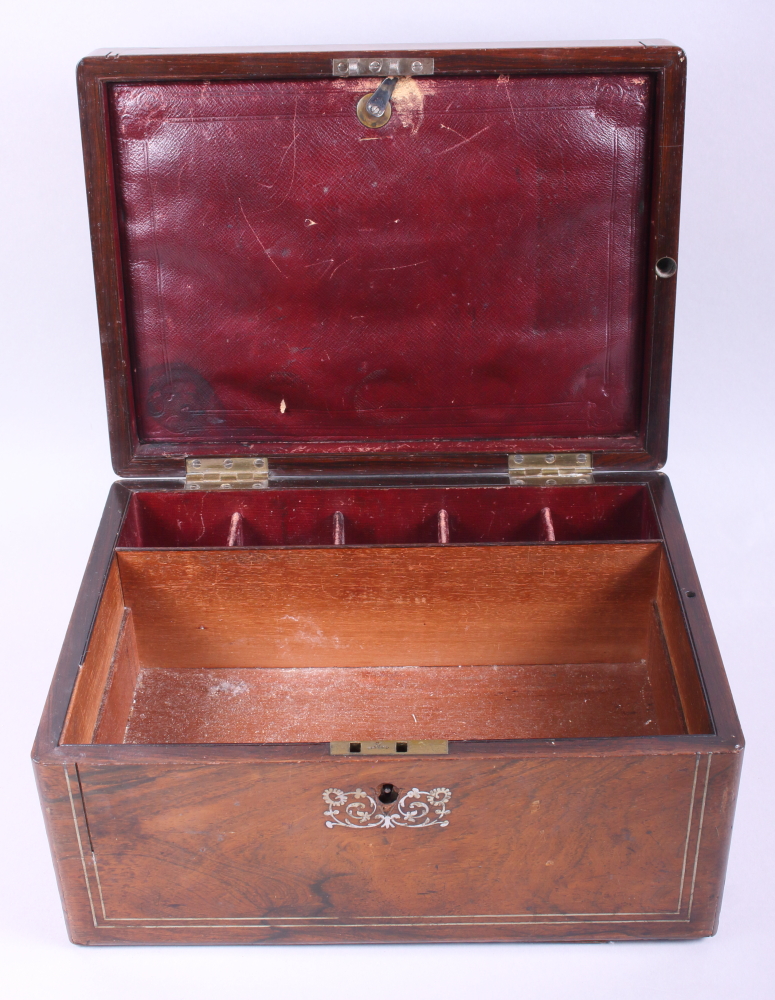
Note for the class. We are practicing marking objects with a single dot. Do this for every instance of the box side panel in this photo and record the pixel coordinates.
(722, 779)
(485, 849)
(679, 646)
(84, 710)
(81, 625)
(686, 616)
(62, 805)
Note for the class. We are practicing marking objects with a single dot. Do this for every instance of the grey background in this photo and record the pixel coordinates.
(56, 472)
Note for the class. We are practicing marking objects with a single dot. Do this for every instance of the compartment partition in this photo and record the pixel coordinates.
(456, 642)
(390, 516)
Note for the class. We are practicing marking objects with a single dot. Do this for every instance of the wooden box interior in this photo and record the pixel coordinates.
(314, 615)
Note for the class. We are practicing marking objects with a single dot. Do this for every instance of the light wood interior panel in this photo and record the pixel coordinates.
(667, 702)
(391, 606)
(319, 704)
(313, 645)
(84, 708)
(120, 688)
(694, 705)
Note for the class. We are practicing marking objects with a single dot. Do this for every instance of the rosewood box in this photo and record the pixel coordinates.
(390, 631)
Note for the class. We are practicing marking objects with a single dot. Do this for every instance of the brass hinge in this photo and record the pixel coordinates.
(227, 473)
(550, 469)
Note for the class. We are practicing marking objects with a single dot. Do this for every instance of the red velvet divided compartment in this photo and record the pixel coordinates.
(384, 516)
(475, 271)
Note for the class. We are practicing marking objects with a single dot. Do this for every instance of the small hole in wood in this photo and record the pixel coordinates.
(666, 267)
(387, 793)
(355, 748)
(690, 593)
(402, 747)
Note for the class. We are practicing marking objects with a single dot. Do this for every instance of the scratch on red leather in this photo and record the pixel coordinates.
(474, 271)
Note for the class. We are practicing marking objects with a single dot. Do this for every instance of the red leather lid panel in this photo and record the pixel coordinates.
(473, 272)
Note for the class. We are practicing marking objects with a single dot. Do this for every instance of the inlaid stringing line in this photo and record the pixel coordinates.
(688, 828)
(470, 923)
(442, 916)
(80, 845)
(699, 835)
(454, 921)
(86, 821)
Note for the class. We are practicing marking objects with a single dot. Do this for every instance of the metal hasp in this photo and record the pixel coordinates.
(374, 110)
(383, 66)
(379, 101)
(227, 473)
(362, 748)
(551, 469)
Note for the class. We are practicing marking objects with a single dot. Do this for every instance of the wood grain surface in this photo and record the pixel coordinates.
(85, 705)
(320, 704)
(434, 606)
(362, 675)
(584, 849)
(681, 653)
(120, 689)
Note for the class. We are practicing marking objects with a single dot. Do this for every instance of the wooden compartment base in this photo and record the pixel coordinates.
(234, 705)
(318, 645)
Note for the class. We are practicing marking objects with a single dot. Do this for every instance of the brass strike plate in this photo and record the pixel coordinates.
(361, 748)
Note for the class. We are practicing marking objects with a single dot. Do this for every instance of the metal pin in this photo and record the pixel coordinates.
(548, 525)
(443, 527)
(235, 530)
(338, 528)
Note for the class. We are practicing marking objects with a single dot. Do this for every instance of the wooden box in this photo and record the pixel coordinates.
(391, 631)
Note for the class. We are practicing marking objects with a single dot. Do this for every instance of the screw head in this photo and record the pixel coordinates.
(519, 459)
(375, 65)
(258, 462)
(550, 459)
(342, 66)
(196, 463)
(227, 463)
(551, 482)
(417, 66)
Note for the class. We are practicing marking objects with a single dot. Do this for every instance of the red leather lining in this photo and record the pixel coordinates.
(472, 271)
(395, 516)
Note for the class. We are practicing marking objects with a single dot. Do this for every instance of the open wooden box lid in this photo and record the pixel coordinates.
(485, 274)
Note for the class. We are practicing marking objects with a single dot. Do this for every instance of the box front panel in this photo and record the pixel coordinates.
(469, 849)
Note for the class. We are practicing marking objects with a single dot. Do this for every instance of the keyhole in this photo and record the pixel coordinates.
(387, 793)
